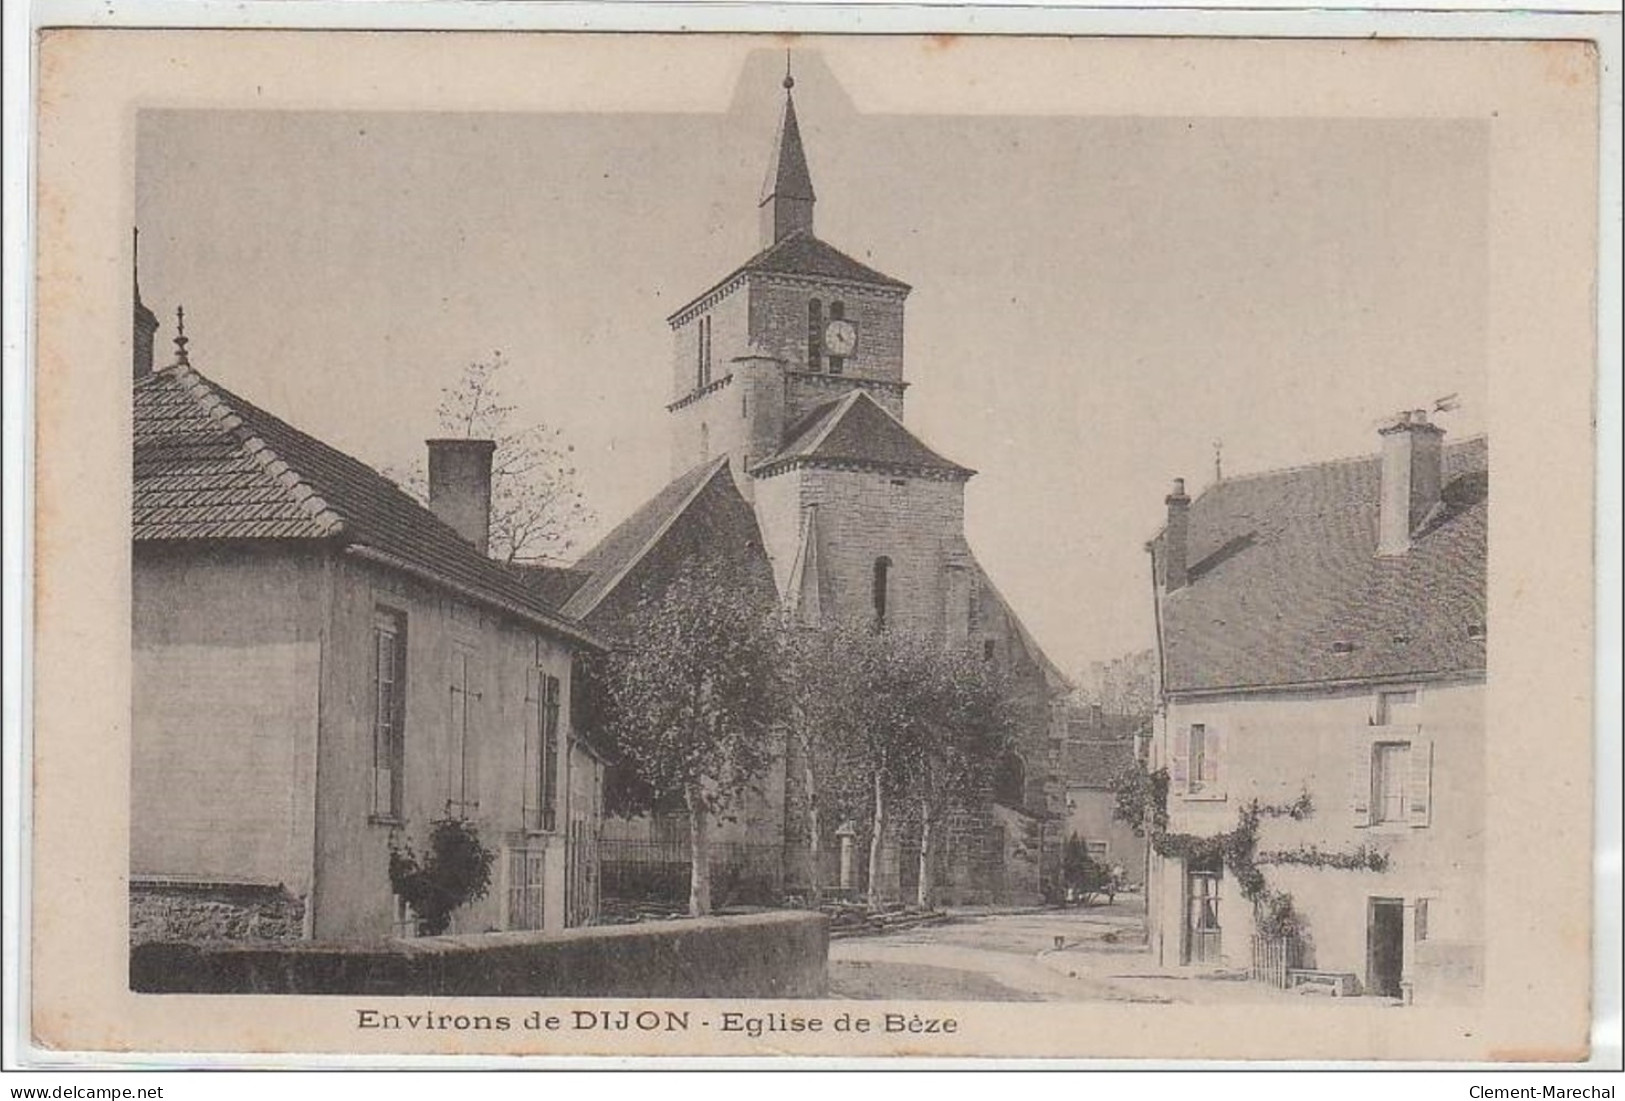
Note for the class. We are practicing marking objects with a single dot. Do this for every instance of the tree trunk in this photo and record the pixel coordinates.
(815, 833)
(922, 895)
(878, 840)
(699, 851)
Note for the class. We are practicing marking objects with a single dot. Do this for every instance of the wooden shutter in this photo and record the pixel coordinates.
(1178, 774)
(1419, 785)
(1214, 753)
(1360, 782)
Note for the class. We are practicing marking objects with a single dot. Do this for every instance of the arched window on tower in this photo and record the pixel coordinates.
(815, 335)
(881, 580)
(837, 312)
(702, 373)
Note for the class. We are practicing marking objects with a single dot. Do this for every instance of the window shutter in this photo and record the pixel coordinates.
(1360, 783)
(1178, 776)
(1419, 786)
(1214, 754)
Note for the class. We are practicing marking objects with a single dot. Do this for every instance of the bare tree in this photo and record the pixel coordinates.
(536, 506)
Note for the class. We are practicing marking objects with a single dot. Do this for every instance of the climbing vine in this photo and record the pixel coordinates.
(1142, 802)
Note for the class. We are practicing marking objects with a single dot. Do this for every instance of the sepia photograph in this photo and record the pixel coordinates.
(900, 529)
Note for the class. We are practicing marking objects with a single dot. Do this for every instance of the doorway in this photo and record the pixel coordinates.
(1385, 946)
(1202, 941)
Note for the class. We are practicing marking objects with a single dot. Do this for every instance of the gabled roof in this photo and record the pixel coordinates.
(1286, 587)
(801, 253)
(212, 466)
(856, 429)
(633, 538)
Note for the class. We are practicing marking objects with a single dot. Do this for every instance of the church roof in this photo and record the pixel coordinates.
(801, 253)
(1286, 587)
(210, 466)
(787, 173)
(607, 563)
(856, 429)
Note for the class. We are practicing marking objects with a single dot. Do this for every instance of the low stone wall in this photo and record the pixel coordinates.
(211, 912)
(776, 955)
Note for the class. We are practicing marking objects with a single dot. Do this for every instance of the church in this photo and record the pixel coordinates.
(790, 455)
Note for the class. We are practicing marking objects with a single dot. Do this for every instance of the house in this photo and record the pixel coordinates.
(790, 455)
(322, 667)
(1099, 747)
(1322, 633)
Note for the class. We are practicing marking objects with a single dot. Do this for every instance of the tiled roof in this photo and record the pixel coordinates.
(801, 253)
(1096, 750)
(554, 584)
(787, 174)
(1286, 587)
(209, 465)
(607, 562)
(856, 429)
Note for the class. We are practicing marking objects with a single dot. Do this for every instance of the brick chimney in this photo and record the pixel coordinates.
(1176, 539)
(1412, 477)
(460, 487)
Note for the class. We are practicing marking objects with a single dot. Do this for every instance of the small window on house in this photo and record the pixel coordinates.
(389, 714)
(815, 335)
(1203, 760)
(1390, 772)
(541, 750)
(881, 582)
(1099, 851)
(1391, 706)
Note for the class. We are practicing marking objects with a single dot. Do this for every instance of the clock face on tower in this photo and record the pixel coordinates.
(840, 338)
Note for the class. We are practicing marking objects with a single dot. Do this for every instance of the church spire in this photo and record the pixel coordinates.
(787, 194)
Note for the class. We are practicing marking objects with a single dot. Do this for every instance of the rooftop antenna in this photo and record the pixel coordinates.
(180, 337)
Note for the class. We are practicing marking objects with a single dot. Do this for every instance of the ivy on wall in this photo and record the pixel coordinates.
(1142, 802)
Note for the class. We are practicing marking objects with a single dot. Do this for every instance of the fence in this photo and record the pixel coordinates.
(658, 870)
(1273, 957)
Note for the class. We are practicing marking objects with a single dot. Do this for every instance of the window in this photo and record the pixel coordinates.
(1390, 773)
(1010, 780)
(462, 772)
(815, 335)
(1098, 851)
(1421, 921)
(837, 312)
(1393, 707)
(881, 580)
(702, 373)
(1204, 758)
(389, 714)
(990, 649)
(542, 694)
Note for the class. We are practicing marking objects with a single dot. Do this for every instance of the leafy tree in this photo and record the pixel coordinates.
(1083, 874)
(455, 871)
(693, 695)
(972, 721)
(536, 506)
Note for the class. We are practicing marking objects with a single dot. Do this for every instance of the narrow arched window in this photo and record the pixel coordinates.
(702, 374)
(882, 579)
(815, 335)
(1010, 780)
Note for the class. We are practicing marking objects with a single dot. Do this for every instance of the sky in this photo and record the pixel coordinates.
(1097, 299)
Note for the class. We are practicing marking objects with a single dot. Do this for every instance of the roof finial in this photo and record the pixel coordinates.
(789, 81)
(1218, 460)
(135, 260)
(180, 337)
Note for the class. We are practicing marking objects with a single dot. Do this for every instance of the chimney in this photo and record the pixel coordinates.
(1176, 539)
(1412, 477)
(460, 487)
